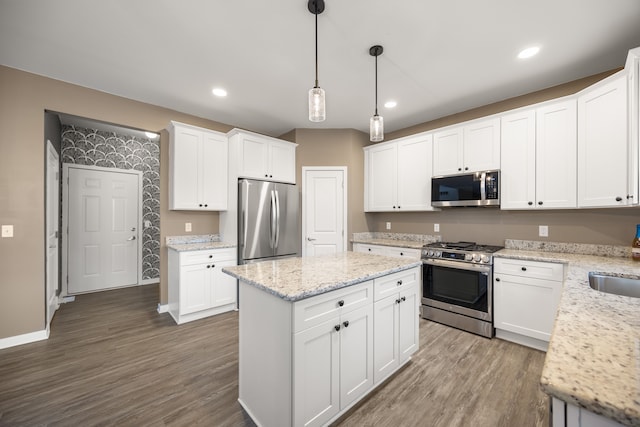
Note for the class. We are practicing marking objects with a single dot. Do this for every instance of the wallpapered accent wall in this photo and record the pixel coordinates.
(111, 150)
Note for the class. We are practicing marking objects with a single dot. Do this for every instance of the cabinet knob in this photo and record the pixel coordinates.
(459, 169)
(497, 279)
(524, 268)
(200, 205)
(399, 282)
(629, 196)
(401, 253)
(340, 303)
(394, 207)
(206, 205)
(540, 202)
(337, 327)
(466, 168)
(346, 323)
(270, 176)
(213, 266)
(398, 206)
(266, 175)
(210, 256)
(398, 301)
(530, 203)
(403, 298)
(208, 266)
(369, 249)
(618, 199)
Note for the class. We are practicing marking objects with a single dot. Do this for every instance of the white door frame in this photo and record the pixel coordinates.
(345, 209)
(65, 217)
(52, 203)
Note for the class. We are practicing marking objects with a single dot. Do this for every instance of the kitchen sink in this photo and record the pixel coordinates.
(615, 285)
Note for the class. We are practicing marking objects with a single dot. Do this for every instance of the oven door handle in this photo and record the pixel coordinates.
(485, 269)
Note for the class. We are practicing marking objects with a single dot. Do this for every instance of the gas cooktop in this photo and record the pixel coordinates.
(469, 252)
(463, 246)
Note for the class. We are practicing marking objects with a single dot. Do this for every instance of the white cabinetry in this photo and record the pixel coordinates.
(262, 157)
(398, 175)
(568, 415)
(471, 147)
(607, 172)
(395, 309)
(526, 298)
(387, 250)
(197, 168)
(197, 286)
(539, 157)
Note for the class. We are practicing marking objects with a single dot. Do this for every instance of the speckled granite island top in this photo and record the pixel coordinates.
(293, 279)
(593, 359)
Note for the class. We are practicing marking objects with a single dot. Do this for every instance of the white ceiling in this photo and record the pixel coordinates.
(440, 57)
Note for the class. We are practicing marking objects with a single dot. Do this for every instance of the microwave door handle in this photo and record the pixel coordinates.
(483, 186)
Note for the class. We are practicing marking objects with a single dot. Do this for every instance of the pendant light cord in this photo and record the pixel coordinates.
(316, 4)
(376, 85)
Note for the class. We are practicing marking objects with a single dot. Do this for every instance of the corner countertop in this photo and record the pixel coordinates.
(293, 279)
(196, 243)
(399, 240)
(593, 360)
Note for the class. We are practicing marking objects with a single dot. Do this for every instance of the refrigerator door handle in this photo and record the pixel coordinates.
(277, 239)
(273, 221)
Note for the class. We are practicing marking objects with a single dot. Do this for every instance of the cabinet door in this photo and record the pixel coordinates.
(214, 172)
(381, 178)
(414, 173)
(447, 152)
(356, 354)
(526, 306)
(316, 374)
(185, 167)
(408, 326)
(254, 158)
(282, 162)
(370, 249)
(385, 340)
(481, 146)
(603, 145)
(518, 161)
(556, 155)
(224, 286)
(195, 288)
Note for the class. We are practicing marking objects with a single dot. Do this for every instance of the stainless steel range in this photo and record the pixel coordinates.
(457, 285)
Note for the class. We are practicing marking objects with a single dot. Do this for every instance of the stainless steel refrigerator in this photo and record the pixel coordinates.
(267, 221)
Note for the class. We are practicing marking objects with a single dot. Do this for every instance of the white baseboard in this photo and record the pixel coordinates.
(24, 339)
(150, 281)
(163, 308)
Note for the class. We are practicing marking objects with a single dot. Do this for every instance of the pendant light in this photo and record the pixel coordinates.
(316, 94)
(376, 123)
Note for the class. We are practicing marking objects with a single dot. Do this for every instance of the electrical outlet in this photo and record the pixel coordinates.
(543, 230)
(388, 226)
(187, 226)
(7, 231)
(147, 223)
(436, 228)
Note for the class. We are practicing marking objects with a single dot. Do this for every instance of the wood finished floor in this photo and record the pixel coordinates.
(111, 359)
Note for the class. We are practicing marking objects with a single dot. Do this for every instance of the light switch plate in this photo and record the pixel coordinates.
(7, 231)
(543, 231)
(436, 227)
(388, 226)
(187, 226)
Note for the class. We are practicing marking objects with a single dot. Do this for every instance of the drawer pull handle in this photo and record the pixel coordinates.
(399, 282)
(346, 323)
(337, 327)
(524, 268)
(340, 303)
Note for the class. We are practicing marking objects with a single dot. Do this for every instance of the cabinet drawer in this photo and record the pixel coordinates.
(403, 253)
(533, 269)
(315, 310)
(396, 282)
(210, 255)
(371, 249)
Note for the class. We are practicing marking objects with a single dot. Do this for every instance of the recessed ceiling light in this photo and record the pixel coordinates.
(529, 52)
(151, 135)
(219, 92)
(390, 104)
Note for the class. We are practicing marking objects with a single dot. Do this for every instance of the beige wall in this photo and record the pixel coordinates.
(336, 147)
(24, 99)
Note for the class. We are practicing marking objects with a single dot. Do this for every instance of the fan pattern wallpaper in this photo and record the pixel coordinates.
(111, 150)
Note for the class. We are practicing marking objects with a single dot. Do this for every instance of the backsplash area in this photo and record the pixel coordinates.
(107, 149)
(572, 248)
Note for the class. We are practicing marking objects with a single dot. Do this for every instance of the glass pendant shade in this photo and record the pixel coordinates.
(376, 128)
(316, 105)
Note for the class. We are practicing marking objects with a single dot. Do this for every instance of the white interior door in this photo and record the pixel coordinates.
(323, 210)
(103, 222)
(53, 232)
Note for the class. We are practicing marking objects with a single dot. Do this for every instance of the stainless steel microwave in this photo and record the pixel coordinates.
(468, 189)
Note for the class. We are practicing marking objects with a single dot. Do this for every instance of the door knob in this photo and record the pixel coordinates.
(131, 238)
(310, 239)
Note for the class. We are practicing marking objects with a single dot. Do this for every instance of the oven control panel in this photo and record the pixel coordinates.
(457, 256)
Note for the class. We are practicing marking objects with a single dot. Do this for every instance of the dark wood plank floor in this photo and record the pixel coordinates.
(112, 359)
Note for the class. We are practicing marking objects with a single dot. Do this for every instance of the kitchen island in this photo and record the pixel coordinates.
(317, 334)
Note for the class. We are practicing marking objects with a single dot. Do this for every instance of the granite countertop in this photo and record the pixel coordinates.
(196, 243)
(399, 240)
(593, 360)
(293, 279)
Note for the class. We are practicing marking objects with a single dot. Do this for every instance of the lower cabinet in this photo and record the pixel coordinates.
(568, 415)
(305, 363)
(197, 286)
(526, 298)
(387, 250)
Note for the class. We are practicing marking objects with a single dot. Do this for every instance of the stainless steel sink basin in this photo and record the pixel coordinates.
(615, 285)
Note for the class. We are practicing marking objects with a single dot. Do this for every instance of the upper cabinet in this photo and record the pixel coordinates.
(398, 175)
(263, 157)
(471, 147)
(607, 173)
(538, 153)
(197, 168)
